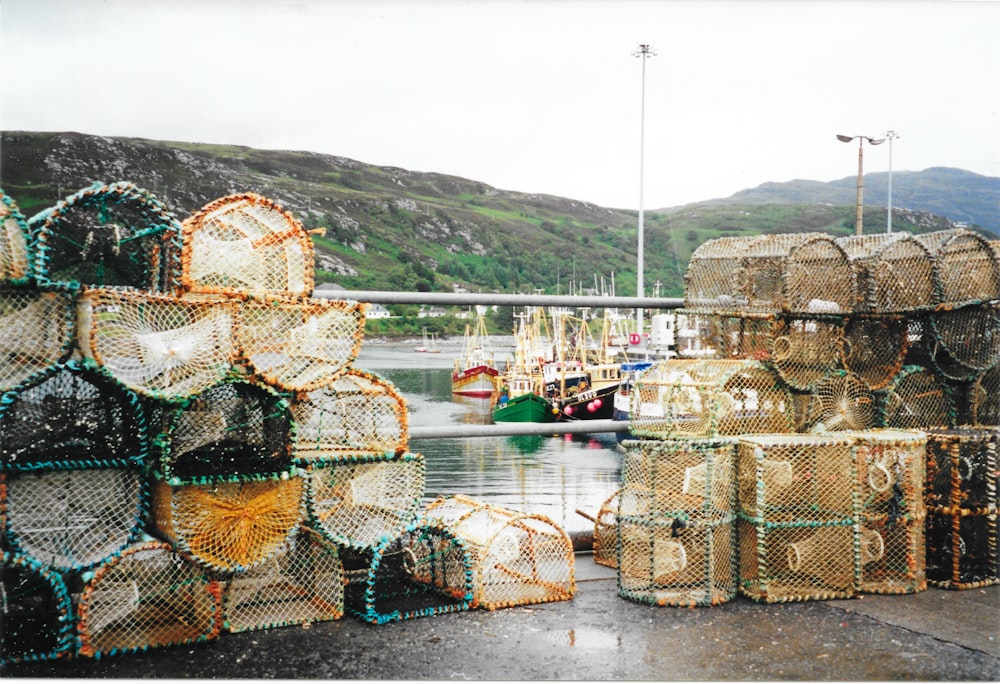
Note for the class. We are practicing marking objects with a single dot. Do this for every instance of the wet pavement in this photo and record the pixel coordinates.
(932, 635)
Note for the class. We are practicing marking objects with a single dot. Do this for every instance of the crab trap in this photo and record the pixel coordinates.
(246, 243)
(606, 533)
(421, 570)
(804, 273)
(985, 398)
(875, 348)
(840, 401)
(967, 268)
(358, 414)
(718, 336)
(707, 398)
(893, 554)
(805, 351)
(159, 346)
(37, 331)
(107, 235)
(517, 558)
(357, 502)
(963, 470)
(966, 340)
(963, 551)
(147, 597)
(228, 525)
(894, 272)
(916, 399)
(299, 344)
(36, 612)
(302, 583)
(15, 240)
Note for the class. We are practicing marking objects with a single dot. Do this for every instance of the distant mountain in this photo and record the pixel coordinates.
(388, 228)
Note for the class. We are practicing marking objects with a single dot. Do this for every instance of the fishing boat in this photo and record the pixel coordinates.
(582, 383)
(521, 396)
(475, 373)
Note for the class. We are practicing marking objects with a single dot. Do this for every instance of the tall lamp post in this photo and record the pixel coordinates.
(890, 135)
(643, 52)
(858, 220)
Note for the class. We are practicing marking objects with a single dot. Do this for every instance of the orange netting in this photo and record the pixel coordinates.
(606, 533)
(15, 237)
(299, 344)
(36, 331)
(967, 269)
(517, 558)
(895, 272)
(147, 597)
(916, 399)
(245, 243)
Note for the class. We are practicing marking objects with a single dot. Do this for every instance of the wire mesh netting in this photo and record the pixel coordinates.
(246, 243)
(70, 414)
(36, 612)
(235, 428)
(841, 401)
(357, 414)
(963, 551)
(15, 238)
(806, 350)
(916, 399)
(37, 330)
(875, 348)
(705, 398)
(419, 571)
(299, 344)
(963, 470)
(147, 597)
(359, 502)
(517, 558)
(798, 273)
(160, 346)
(107, 235)
(302, 583)
(894, 272)
(74, 518)
(967, 269)
(228, 526)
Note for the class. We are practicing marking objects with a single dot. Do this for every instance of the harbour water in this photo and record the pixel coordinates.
(552, 475)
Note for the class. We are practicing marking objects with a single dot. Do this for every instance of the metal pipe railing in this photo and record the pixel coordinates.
(572, 427)
(490, 299)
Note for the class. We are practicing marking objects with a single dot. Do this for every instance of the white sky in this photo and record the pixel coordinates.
(535, 96)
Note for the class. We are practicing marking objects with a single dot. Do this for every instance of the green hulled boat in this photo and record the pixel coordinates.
(525, 408)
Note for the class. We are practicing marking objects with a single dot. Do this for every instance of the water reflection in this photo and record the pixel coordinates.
(551, 475)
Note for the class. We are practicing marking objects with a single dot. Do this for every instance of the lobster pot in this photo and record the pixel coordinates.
(708, 398)
(299, 344)
(70, 414)
(804, 561)
(916, 399)
(74, 518)
(686, 476)
(677, 561)
(963, 551)
(967, 269)
(37, 330)
(893, 553)
(36, 612)
(358, 502)
(804, 351)
(606, 533)
(985, 398)
(235, 428)
(107, 235)
(15, 240)
(796, 272)
(358, 414)
(147, 597)
(228, 526)
(246, 243)
(840, 401)
(797, 479)
(891, 470)
(970, 335)
(875, 348)
(894, 272)
(302, 583)
(418, 571)
(517, 558)
(963, 470)
(718, 336)
(159, 346)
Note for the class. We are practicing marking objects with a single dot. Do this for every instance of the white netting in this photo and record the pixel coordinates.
(15, 265)
(841, 401)
(895, 272)
(36, 332)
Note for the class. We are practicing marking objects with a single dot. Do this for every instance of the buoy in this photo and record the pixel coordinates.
(591, 407)
(598, 403)
(568, 410)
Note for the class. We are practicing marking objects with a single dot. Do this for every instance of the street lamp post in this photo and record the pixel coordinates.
(858, 218)
(644, 52)
(889, 135)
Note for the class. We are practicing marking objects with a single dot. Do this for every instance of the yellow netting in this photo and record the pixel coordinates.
(841, 401)
(357, 414)
(798, 273)
(917, 399)
(157, 345)
(36, 332)
(891, 468)
(967, 269)
(246, 243)
(705, 398)
(15, 260)
(875, 348)
(606, 533)
(517, 558)
(963, 551)
(299, 344)
(893, 555)
(358, 502)
(228, 526)
(147, 597)
(805, 351)
(689, 476)
(895, 272)
(302, 583)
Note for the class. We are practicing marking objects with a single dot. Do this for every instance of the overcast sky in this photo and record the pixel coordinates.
(542, 96)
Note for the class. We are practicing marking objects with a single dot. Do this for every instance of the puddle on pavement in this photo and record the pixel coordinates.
(587, 639)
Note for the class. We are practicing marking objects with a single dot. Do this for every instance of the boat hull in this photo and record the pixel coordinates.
(526, 408)
(480, 381)
(592, 405)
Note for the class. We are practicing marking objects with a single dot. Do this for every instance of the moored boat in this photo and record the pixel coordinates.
(475, 373)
